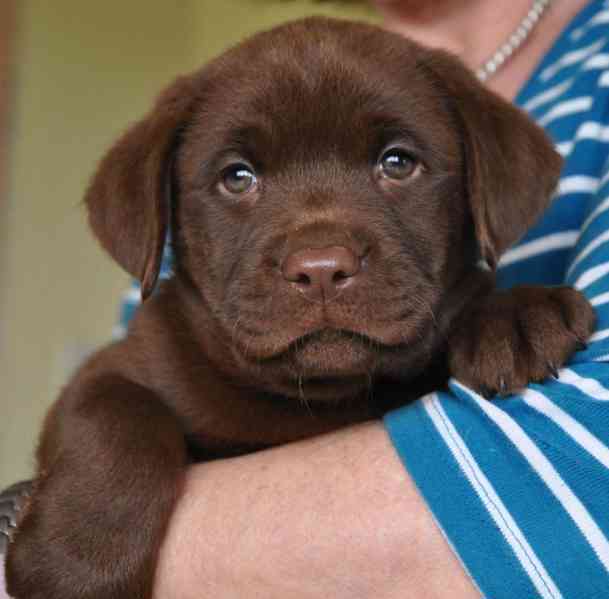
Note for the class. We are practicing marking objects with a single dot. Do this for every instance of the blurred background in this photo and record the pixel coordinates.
(73, 75)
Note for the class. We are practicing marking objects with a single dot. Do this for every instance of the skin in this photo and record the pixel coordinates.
(338, 515)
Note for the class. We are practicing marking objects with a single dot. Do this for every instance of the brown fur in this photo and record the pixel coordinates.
(231, 355)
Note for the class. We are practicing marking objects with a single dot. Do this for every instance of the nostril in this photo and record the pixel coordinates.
(340, 276)
(303, 279)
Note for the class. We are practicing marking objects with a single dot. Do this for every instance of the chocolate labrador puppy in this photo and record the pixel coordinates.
(331, 191)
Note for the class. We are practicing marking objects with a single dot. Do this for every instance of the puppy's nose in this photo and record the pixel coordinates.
(321, 274)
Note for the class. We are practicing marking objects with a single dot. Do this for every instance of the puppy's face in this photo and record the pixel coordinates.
(319, 211)
(323, 198)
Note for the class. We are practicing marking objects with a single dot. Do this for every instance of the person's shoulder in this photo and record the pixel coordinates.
(574, 70)
(568, 95)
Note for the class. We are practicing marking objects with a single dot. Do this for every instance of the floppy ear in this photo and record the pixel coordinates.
(511, 166)
(129, 197)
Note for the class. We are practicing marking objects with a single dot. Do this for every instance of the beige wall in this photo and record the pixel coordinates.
(85, 70)
(220, 24)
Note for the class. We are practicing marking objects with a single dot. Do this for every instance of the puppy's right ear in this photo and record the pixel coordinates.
(129, 197)
(511, 166)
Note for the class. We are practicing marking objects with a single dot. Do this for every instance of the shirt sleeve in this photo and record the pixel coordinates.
(520, 486)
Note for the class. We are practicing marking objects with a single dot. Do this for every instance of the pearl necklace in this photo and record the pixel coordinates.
(518, 37)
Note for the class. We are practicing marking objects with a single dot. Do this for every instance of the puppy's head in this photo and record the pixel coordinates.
(328, 183)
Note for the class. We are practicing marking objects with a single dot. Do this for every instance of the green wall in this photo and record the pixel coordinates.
(84, 71)
(220, 24)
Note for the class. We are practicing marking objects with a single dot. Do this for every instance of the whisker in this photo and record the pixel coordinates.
(301, 394)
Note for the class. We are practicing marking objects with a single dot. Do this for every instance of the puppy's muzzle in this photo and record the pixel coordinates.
(321, 274)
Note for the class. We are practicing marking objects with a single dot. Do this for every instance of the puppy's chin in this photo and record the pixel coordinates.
(332, 353)
(327, 366)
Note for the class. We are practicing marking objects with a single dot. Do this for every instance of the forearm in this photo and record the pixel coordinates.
(336, 516)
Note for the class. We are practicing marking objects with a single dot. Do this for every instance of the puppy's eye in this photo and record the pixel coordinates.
(397, 164)
(239, 179)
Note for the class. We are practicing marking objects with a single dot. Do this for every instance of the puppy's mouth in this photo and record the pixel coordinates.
(330, 337)
(329, 355)
(330, 364)
(328, 358)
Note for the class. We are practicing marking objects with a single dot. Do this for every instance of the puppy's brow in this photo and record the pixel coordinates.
(247, 140)
(385, 129)
(247, 134)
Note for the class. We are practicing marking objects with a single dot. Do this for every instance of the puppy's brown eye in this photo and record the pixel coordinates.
(397, 164)
(239, 179)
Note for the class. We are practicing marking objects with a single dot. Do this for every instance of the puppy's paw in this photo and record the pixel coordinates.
(511, 338)
(23, 552)
(55, 553)
(34, 568)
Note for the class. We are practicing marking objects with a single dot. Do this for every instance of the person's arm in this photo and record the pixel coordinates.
(336, 516)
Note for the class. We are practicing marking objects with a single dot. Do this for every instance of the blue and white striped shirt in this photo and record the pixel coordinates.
(520, 486)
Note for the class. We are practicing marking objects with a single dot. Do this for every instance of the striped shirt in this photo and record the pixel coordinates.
(520, 486)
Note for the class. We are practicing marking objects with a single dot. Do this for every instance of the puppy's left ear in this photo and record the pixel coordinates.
(129, 197)
(512, 169)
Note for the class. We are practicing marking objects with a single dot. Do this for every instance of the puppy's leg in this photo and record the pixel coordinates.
(507, 339)
(110, 463)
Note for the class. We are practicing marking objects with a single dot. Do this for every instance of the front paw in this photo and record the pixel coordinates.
(42, 554)
(58, 553)
(511, 338)
(23, 567)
